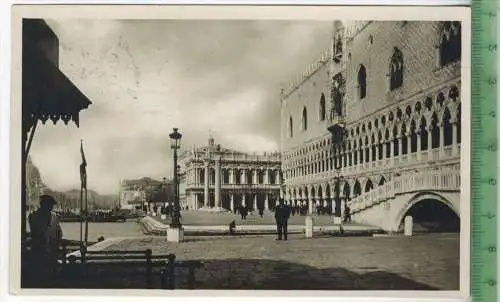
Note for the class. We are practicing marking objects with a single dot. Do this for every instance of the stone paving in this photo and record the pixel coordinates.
(422, 262)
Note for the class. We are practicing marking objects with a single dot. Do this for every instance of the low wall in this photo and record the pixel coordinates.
(151, 226)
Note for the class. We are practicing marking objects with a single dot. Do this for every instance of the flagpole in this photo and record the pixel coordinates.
(86, 219)
(81, 215)
(83, 179)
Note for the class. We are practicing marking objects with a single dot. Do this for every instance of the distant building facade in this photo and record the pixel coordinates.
(138, 192)
(216, 177)
(394, 90)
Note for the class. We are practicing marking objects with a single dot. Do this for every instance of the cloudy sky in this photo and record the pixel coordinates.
(145, 77)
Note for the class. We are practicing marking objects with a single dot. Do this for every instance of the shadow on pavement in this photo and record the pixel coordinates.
(244, 274)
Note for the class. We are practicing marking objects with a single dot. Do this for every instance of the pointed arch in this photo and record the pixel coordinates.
(396, 69)
(396, 140)
(380, 146)
(387, 144)
(450, 49)
(435, 131)
(382, 181)
(357, 188)
(362, 81)
(322, 107)
(423, 134)
(413, 136)
(304, 119)
(404, 139)
(447, 127)
(347, 190)
(368, 186)
(373, 156)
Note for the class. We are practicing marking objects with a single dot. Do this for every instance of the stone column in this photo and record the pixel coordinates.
(391, 151)
(376, 153)
(232, 202)
(231, 176)
(255, 179)
(243, 200)
(310, 205)
(342, 207)
(266, 176)
(419, 147)
(217, 183)
(400, 145)
(242, 176)
(266, 202)
(454, 140)
(255, 201)
(441, 140)
(408, 226)
(205, 197)
(429, 142)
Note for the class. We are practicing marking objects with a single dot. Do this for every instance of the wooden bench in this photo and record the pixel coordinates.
(92, 260)
(168, 273)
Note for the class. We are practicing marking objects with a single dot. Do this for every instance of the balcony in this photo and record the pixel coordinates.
(336, 126)
(413, 160)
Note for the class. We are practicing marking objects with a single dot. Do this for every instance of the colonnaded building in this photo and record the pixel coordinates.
(216, 178)
(377, 119)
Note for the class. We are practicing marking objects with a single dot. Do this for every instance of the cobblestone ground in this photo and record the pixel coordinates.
(423, 262)
(207, 218)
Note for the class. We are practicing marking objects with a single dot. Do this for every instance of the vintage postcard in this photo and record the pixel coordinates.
(297, 150)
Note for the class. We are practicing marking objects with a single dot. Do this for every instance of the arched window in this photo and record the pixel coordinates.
(304, 119)
(435, 131)
(290, 127)
(450, 49)
(338, 45)
(362, 82)
(396, 69)
(413, 137)
(322, 114)
(368, 186)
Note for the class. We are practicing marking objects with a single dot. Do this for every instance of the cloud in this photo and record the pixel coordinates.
(145, 77)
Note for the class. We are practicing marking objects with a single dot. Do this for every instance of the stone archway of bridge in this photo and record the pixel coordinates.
(400, 209)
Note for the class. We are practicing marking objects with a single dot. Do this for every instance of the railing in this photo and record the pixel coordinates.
(385, 163)
(236, 186)
(425, 180)
(251, 157)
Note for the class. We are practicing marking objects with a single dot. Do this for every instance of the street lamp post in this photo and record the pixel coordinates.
(175, 231)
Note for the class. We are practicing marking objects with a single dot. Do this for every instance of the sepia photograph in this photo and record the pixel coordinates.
(265, 148)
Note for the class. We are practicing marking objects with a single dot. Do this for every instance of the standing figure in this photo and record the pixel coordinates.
(281, 215)
(261, 212)
(46, 238)
(347, 217)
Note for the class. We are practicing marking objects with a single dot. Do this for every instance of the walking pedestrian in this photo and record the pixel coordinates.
(282, 215)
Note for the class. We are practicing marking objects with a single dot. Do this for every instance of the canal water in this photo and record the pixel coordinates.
(71, 230)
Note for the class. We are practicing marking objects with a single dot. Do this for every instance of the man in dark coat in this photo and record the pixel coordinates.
(46, 239)
(281, 215)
